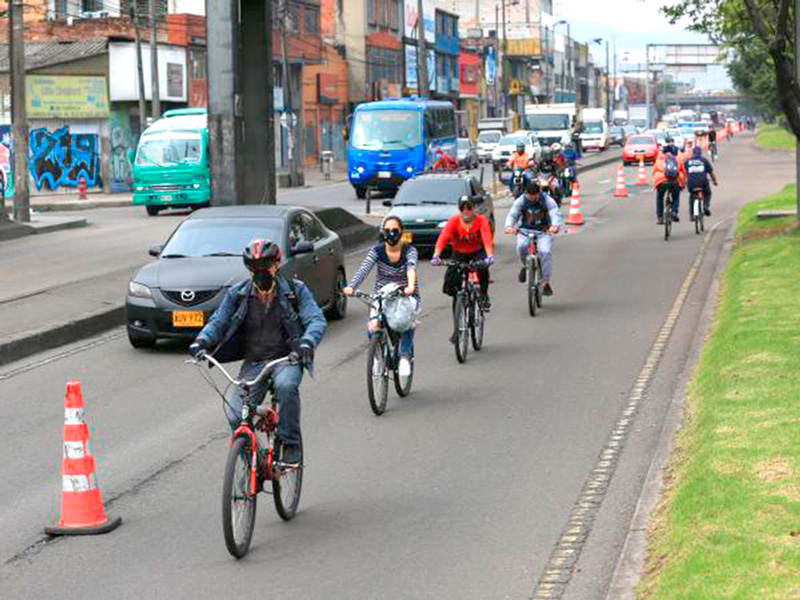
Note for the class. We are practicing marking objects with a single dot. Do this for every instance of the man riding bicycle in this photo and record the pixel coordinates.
(535, 211)
(470, 239)
(712, 141)
(698, 170)
(262, 319)
(668, 178)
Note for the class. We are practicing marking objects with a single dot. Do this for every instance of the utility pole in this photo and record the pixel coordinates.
(608, 87)
(154, 91)
(19, 117)
(614, 39)
(294, 167)
(496, 59)
(796, 75)
(503, 63)
(422, 54)
(647, 85)
(139, 68)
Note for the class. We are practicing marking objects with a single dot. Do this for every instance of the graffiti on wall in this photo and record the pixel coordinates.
(121, 139)
(6, 159)
(61, 159)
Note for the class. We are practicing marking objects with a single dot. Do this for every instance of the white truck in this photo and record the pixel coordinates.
(594, 131)
(619, 117)
(490, 131)
(552, 123)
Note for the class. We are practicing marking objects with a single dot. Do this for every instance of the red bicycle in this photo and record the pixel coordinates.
(252, 460)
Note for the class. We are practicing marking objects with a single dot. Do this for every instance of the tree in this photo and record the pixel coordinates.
(761, 33)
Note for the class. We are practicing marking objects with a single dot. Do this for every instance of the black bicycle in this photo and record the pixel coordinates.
(469, 313)
(696, 198)
(253, 460)
(383, 356)
(668, 214)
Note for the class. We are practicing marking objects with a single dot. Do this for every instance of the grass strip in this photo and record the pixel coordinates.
(728, 525)
(774, 137)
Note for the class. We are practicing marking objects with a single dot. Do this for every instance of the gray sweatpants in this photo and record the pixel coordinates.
(544, 243)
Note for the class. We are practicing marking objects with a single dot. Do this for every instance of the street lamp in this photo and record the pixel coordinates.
(567, 53)
(608, 75)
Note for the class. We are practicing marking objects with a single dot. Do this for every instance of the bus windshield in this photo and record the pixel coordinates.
(543, 122)
(169, 149)
(593, 127)
(391, 129)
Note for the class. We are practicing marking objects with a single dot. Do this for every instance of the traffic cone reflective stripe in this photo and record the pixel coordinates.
(642, 173)
(621, 189)
(575, 216)
(81, 502)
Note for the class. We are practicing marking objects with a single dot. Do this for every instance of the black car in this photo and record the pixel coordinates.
(425, 202)
(172, 297)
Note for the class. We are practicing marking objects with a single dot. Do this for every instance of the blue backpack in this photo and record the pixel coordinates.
(671, 167)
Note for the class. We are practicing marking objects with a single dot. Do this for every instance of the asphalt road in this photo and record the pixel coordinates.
(459, 491)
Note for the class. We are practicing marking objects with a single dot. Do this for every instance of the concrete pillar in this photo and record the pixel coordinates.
(241, 137)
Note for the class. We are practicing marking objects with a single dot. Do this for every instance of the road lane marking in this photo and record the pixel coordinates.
(557, 573)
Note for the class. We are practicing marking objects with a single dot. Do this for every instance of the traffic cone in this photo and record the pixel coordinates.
(81, 504)
(642, 173)
(621, 189)
(575, 216)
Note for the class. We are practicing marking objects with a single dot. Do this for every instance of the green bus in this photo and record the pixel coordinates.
(170, 165)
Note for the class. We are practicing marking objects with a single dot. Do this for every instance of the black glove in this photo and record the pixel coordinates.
(306, 354)
(197, 350)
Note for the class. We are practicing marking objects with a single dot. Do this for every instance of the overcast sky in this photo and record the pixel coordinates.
(634, 23)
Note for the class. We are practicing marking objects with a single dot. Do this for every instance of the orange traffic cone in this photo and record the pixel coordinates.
(642, 173)
(621, 189)
(81, 504)
(575, 216)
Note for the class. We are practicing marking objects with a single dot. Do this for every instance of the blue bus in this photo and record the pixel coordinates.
(393, 140)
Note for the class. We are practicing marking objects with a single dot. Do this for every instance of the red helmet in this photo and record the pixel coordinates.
(260, 254)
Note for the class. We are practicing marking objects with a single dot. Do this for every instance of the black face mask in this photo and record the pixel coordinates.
(392, 237)
(263, 280)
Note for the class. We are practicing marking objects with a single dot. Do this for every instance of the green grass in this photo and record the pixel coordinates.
(728, 525)
(774, 137)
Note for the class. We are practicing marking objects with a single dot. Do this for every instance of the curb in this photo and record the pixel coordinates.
(79, 205)
(628, 570)
(12, 231)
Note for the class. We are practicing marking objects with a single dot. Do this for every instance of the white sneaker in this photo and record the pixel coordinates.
(404, 367)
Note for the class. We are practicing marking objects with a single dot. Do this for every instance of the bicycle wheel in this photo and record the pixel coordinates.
(238, 505)
(461, 324)
(697, 212)
(538, 286)
(477, 322)
(402, 385)
(377, 375)
(667, 222)
(286, 486)
(530, 267)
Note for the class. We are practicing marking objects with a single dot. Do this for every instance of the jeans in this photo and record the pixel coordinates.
(286, 380)
(544, 244)
(706, 195)
(483, 272)
(673, 189)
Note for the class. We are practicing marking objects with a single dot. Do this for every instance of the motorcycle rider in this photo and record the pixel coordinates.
(261, 319)
(698, 170)
(520, 159)
(536, 211)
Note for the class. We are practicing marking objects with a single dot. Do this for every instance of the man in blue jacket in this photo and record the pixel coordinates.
(262, 319)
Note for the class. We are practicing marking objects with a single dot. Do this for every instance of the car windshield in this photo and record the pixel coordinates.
(169, 149)
(641, 140)
(593, 127)
(545, 122)
(513, 140)
(393, 129)
(675, 132)
(463, 144)
(489, 137)
(430, 191)
(220, 237)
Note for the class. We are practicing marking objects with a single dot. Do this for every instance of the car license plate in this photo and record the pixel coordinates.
(187, 318)
(166, 198)
(407, 237)
(385, 174)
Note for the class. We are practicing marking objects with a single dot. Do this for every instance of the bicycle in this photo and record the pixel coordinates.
(712, 151)
(384, 354)
(533, 272)
(668, 214)
(469, 315)
(697, 196)
(252, 460)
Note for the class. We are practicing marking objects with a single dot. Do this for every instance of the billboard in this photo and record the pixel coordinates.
(66, 96)
(411, 68)
(429, 19)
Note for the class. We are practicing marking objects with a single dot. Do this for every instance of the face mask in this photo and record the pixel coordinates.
(392, 236)
(263, 280)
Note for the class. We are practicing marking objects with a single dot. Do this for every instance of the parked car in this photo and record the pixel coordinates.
(618, 135)
(425, 202)
(487, 140)
(642, 144)
(467, 154)
(508, 145)
(173, 296)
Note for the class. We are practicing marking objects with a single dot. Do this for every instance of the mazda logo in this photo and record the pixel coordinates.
(187, 295)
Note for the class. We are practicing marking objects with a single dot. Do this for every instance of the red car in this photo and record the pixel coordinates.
(640, 145)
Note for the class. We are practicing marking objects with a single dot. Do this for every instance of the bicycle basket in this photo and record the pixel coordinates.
(400, 313)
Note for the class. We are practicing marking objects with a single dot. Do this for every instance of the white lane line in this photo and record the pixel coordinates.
(557, 573)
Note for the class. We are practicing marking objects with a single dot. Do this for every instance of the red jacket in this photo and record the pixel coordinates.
(465, 239)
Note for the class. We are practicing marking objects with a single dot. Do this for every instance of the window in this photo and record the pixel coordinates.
(312, 227)
(91, 5)
(297, 230)
(311, 18)
(393, 19)
(293, 18)
(372, 11)
(385, 64)
(198, 58)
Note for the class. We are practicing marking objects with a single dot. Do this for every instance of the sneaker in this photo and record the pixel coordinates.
(547, 290)
(487, 303)
(404, 367)
(707, 211)
(453, 338)
(289, 455)
(676, 218)
(660, 221)
(522, 275)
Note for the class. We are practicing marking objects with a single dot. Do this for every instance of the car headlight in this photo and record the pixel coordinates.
(138, 290)
(196, 186)
(441, 225)
(410, 169)
(360, 169)
(139, 188)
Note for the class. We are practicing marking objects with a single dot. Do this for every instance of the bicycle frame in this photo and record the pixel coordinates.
(376, 301)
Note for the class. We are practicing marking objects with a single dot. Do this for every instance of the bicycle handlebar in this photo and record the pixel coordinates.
(238, 382)
(370, 299)
(471, 264)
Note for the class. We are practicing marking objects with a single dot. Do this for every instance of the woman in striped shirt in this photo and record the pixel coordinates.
(396, 263)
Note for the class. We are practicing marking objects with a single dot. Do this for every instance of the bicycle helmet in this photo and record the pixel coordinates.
(556, 147)
(531, 184)
(668, 140)
(260, 254)
(521, 148)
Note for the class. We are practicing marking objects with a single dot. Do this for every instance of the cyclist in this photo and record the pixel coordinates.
(535, 210)
(261, 319)
(712, 141)
(470, 239)
(698, 170)
(396, 263)
(668, 177)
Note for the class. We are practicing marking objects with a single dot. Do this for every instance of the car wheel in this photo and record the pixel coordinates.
(361, 192)
(140, 341)
(153, 210)
(338, 309)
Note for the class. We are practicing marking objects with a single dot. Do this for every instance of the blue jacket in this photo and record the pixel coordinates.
(222, 333)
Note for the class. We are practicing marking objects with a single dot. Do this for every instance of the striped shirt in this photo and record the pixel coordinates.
(388, 272)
